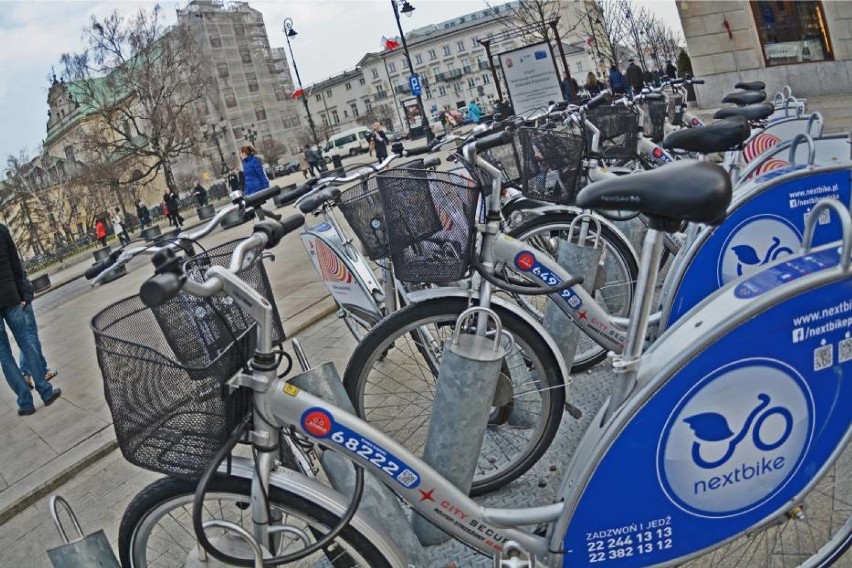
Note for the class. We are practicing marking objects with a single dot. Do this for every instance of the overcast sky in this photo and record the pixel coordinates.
(333, 35)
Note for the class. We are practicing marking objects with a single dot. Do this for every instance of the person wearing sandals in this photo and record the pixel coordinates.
(12, 304)
(32, 329)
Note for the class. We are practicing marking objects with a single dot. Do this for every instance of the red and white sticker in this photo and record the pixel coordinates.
(317, 423)
(525, 261)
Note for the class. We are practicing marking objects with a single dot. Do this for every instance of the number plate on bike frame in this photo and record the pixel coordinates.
(728, 440)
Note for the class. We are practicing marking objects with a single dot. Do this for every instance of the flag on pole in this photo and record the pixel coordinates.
(297, 93)
(389, 44)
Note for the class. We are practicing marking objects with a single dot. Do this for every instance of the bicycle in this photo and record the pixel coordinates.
(654, 395)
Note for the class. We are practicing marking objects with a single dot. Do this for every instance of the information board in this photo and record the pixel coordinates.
(531, 77)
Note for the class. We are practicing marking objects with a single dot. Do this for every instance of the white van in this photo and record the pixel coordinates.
(349, 143)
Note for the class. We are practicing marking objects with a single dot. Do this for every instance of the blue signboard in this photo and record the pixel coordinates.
(731, 438)
(414, 85)
(766, 228)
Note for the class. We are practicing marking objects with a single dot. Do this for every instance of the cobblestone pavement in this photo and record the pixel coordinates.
(100, 493)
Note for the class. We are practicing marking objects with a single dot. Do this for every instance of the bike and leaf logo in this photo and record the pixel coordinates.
(754, 243)
(736, 438)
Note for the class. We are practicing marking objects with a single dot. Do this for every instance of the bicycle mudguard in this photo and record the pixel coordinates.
(724, 432)
(765, 222)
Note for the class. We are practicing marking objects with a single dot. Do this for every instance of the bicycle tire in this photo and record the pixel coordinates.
(815, 532)
(158, 496)
(617, 260)
(390, 342)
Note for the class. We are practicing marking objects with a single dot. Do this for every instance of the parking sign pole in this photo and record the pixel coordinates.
(423, 119)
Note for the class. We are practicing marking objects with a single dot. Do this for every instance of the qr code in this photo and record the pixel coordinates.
(823, 357)
(407, 477)
(844, 350)
(824, 217)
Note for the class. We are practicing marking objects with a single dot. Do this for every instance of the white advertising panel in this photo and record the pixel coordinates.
(531, 77)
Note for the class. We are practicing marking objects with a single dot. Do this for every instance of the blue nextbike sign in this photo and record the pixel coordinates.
(730, 438)
(414, 85)
(766, 228)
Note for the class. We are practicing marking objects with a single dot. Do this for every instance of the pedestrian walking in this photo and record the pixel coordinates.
(474, 112)
(634, 77)
(173, 205)
(593, 86)
(143, 214)
(617, 82)
(313, 160)
(32, 330)
(100, 232)
(118, 227)
(200, 194)
(255, 177)
(671, 70)
(303, 164)
(12, 305)
(569, 88)
(381, 141)
(165, 208)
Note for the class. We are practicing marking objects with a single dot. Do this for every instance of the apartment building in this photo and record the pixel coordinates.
(249, 82)
(452, 64)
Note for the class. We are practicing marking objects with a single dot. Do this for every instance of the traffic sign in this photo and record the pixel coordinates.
(414, 85)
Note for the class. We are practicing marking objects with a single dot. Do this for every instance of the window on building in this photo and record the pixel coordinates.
(328, 94)
(324, 119)
(215, 40)
(238, 132)
(361, 81)
(460, 45)
(251, 79)
(471, 82)
(447, 50)
(239, 30)
(375, 73)
(486, 78)
(222, 68)
(405, 63)
(295, 120)
(319, 98)
(442, 90)
(69, 153)
(280, 93)
(348, 86)
(432, 54)
(230, 99)
(579, 66)
(245, 55)
(474, 42)
(392, 67)
(334, 117)
(345, 113)
(260, 113)
(418, 59)
(792, 32)
(368, 105)
(354, 108)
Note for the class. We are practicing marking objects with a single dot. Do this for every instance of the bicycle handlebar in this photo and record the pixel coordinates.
(498, 139)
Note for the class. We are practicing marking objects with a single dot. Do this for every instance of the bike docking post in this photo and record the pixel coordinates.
(464, 395)
(379, 502)
(580, 255)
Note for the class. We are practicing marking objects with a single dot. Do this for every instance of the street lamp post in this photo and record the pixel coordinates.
(215, 133)
(288, 33)
(629, 16)
(251, 134)
(407, 9)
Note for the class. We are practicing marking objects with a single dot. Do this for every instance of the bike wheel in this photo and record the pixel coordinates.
(391, 379)
(815, 532)
(156, 529)
(618, 269)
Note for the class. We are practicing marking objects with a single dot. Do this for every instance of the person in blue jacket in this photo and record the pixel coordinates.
(255, 177)
(474, 112)
(617, 82)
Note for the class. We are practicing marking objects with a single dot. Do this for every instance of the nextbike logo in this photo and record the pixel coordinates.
(756, 241)
(736, 438)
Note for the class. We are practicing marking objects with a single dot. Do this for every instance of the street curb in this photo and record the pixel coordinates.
(318, 313)
(42, 488)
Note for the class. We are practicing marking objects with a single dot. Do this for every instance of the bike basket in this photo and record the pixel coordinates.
(362, 208)
(674, 102)
(430, 220)
(619, 127)
(655, 118)
(507, 158)
(165, 368)
(552, 164)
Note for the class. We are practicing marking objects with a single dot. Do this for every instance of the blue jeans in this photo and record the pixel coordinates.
(32, 331)
(16, 320)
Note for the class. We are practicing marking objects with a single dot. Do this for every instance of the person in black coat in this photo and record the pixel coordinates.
(12, 303)
(671, 70)
(143, 214)
(173, 203)
(635, 78)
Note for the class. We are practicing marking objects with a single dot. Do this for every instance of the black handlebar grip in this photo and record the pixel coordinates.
(597, 101)
(698, 81)
(432, 162)
(275, 231)
(418, 150)
(494, 140)
(261, 196)
(160, 288)
(93, 271)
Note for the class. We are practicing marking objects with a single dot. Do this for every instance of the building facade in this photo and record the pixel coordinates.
(806, 45)
(452, 65)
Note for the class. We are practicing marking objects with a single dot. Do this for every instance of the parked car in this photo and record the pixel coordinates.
(270, 174)
(280, 170)
(348, 143)
(293, 166)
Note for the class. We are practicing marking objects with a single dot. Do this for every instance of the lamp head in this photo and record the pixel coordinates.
(407, 8)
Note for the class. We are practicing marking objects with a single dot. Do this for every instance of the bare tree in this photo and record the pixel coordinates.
(142, 81)
(531, 19)
(383, 114)
(28, 219)
(271, 149)
(606, 26)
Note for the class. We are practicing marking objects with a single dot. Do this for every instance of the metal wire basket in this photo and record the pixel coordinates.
(655, 119)
(362, 208)
(165, 368)
(552, 163)
(675, 114)
(430, 221)
(619, 128)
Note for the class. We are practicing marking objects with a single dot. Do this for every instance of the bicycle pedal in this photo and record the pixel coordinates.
(513, 556)
(575, 412)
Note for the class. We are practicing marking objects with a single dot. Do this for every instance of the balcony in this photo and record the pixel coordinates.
(453, 74)
(401, 89)
(381, 95)
(467, 70)
(484, 64)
